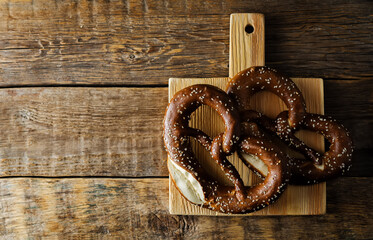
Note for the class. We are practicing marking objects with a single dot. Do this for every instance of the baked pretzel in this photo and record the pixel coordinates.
(246, 83)
(250, 116)
(255, 79)
(258, 149)
(217, 197)
(192, 180)
(222, 199)
(255, 124)
(318, 167)
(186, 101)
(177, 132)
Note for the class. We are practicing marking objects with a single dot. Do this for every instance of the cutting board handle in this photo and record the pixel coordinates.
(246, 41)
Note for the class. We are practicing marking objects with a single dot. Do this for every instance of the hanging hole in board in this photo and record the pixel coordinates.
(249, 29)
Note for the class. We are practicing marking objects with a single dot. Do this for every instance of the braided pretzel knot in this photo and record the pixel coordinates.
(188, 175)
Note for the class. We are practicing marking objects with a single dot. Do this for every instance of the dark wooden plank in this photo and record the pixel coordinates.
(352, 103)
(138, 209)
(118, 131)
(362, 163)
(82, 131)
(146, 42)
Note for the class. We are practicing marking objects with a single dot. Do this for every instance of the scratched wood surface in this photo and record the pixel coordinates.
(146, 42)
(82, 132)
(59, 131)
(109, 208)
(121, 54)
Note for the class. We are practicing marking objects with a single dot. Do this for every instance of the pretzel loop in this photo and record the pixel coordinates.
(258, 196)
(188, 175)
(184, 167)
(229, 170)
(258, 139)
(255, 79)
(319, 167)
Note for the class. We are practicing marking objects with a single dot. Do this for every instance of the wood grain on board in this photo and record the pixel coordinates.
(246, 50)
(296, 200)
(106, 208)
(246, 41)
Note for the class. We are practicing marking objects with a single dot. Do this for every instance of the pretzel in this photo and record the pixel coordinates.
(222, 199)
(335, 162)
(258, 125)
(217, 197)
(255, 79)
(252, 134)
(318, 167)
(185, 170)
(250, 116)
(191, 179)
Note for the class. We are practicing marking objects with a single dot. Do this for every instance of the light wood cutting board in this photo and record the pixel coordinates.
(248, 50)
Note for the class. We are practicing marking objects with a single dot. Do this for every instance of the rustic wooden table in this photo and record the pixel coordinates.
(83, 93)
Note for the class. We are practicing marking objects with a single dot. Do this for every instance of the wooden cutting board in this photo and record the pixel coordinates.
(247, 49)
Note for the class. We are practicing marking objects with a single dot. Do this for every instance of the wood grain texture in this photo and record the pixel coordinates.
(130, 42)
(44, 42)
(82, 132)
(67, 131)
(303, 200)
(352, 103)
(246, 49)
(98, 208)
